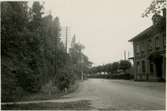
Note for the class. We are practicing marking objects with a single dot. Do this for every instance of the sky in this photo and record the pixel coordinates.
(102, 26)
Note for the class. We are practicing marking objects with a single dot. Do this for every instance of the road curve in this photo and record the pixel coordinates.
(121, 94)
(97, 94)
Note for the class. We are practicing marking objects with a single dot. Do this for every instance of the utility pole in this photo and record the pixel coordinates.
(125, 55)
(128, 54)
(81, 68)
(66, 38)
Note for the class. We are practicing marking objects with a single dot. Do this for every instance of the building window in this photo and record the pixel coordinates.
(138, 67)
(142, 47)
(149, 45)
(137, 49)
(157, 43)
(143, 66)
(151, 67)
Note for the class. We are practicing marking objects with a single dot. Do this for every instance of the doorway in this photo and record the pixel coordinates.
(157, 59)
(159, 68)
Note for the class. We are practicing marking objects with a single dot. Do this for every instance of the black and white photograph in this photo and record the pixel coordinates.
(75, 55)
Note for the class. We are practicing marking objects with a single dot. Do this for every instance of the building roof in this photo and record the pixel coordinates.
(144, 34)
(158, 26)
(131, 58)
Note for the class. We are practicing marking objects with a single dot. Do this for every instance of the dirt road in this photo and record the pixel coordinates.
(103, 94)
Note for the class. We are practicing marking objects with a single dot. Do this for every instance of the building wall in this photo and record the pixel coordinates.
(144, 70)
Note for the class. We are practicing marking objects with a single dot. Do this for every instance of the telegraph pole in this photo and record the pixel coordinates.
(124, 55)
(81, 68)
(66, 37)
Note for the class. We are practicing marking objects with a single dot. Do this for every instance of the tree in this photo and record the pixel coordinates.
(14, 20)
(115, 66)
(80, 62)
(124, 65)
(36, 16)
(73, 41)
(85, 64)
(33, 49)
(155, 7)
(32, 52)
(108, 68)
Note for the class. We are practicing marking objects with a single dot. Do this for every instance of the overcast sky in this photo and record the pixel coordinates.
(102, 26)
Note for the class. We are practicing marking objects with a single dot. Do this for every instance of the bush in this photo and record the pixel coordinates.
(116, 76)
(10, 90)
(64, 79)
(121, 76)
(27, 78)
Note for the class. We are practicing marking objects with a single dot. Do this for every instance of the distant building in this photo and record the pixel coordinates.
(150, 50)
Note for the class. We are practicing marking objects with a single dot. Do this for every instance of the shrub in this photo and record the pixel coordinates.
(64, 79)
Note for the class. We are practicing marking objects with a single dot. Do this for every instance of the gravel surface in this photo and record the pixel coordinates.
(122, 94)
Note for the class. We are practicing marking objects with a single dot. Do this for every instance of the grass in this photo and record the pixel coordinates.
(44, 96)
(77, 105)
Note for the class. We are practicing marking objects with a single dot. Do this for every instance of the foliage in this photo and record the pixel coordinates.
(158, 11)
(79, 61)
(13, 46)
(124, 65)
(111, 68)
(65, 79)
(115, 66)
(155, 7)
(32, 51)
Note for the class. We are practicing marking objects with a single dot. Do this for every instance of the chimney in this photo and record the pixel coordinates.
(156, 18)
